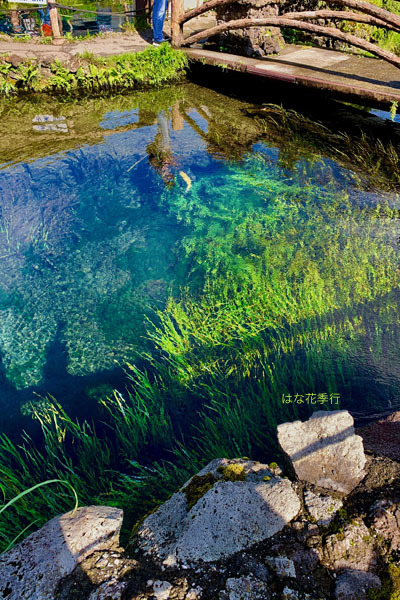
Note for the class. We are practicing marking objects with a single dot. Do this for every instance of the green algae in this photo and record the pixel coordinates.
(197, 487)
(390, 589)
(234, 472)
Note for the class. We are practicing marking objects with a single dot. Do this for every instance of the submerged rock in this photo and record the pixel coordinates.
(33, 568)
(228, 506)
(324, 450)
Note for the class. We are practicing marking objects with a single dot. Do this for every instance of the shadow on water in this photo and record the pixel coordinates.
(79, 395)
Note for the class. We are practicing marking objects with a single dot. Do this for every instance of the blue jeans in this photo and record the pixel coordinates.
(159, 12)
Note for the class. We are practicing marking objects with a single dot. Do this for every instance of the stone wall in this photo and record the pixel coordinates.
(358, 29)
(260, 41)
(255, 41)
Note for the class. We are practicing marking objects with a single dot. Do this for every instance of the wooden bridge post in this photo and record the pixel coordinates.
(178, 8)
(55, 24)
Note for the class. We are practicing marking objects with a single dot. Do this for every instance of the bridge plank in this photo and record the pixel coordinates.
(345, 76)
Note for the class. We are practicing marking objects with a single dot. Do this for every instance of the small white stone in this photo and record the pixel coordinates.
(321, 508)
(283, 566)
(194, 594)
(162, 590)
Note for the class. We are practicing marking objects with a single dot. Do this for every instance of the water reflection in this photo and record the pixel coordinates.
(292, 253)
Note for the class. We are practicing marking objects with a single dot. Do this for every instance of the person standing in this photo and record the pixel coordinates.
(159, 11)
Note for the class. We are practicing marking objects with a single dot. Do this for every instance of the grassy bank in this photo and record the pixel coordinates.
(89, 74)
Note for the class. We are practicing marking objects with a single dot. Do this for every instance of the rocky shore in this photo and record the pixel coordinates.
(324, 525)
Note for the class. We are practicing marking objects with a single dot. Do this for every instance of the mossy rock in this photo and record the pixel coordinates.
(197, 487)
(233, 472)
(390, 589)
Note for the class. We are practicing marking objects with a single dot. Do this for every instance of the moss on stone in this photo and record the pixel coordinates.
(233, 472)
(390, 589)
(197, 487)
(140, 522)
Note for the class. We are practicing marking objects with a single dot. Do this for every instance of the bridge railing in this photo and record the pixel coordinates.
(360, 12)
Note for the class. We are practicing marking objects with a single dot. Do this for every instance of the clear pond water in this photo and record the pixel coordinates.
(111, 208)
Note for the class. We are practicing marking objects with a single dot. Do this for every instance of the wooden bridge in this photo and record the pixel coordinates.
(342, 74)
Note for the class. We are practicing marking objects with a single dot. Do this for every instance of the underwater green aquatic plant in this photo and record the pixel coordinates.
(29, 491)
(291, 285)
(299, 137)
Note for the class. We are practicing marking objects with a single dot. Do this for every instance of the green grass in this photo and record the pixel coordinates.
(152, 67)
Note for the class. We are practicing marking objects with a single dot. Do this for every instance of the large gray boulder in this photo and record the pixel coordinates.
(32, 569)
(228, 506)
(324, 450)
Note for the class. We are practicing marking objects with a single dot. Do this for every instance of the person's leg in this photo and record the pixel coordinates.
(159, 10)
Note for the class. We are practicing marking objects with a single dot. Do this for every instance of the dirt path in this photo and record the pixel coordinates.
(105, 45)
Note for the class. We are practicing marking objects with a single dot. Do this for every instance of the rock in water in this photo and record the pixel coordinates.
(228, 506)
(324, 450)
(32, 569)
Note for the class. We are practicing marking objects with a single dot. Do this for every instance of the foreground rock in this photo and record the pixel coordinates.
(245, 588)
(356, 585)
(322, 508)
(33, 569)
(324, 450)
(237, 530)
(383, 436)
(228, 506)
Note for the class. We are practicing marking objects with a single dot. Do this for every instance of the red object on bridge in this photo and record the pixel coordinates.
(46, 30)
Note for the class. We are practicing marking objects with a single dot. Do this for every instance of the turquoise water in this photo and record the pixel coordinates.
(180, 271)
(111, 207)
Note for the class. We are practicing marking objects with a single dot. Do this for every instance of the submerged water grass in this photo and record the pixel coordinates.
(292, 283)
